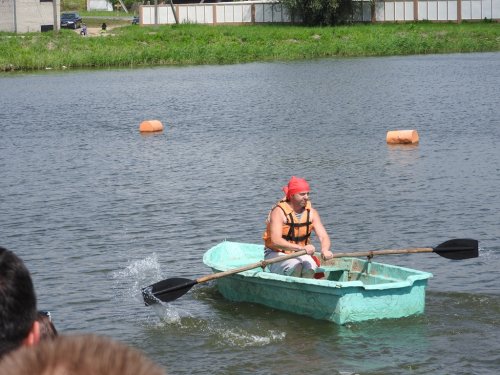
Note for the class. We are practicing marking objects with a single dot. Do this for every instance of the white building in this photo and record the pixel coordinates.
(23, 16)
(99, 5)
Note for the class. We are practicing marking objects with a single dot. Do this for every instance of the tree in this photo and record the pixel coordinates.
(320, 12)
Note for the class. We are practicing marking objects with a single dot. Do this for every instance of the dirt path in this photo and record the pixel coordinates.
(95, 31)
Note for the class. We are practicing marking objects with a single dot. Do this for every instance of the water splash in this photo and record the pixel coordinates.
(487, 253)
(210, 332)
(167, 314)
(240, 338)
(136, 275)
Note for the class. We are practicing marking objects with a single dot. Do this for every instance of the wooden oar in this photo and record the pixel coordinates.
(171, 289)
(457, 249)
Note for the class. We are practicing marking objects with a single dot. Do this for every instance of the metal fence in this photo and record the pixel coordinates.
(270, 11)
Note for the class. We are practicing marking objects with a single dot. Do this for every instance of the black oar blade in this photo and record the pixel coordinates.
(457, 249)
(166, 290)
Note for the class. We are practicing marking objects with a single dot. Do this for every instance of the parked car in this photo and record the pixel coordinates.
(71, 20)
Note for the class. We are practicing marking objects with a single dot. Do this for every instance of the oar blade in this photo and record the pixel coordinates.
(457, 249)
(166, 290)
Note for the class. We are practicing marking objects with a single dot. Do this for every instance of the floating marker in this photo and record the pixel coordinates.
(402, 137)
(151, 126)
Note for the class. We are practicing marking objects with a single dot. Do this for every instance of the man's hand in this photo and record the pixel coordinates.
(326, 254)
(310, 249)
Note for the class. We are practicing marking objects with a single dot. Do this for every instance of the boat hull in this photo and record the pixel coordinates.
(354, 290)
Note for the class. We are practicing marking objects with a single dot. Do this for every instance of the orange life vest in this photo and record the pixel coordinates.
(295, 230)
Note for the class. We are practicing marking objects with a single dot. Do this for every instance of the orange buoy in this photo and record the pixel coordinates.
(151, 126)
(402, 136)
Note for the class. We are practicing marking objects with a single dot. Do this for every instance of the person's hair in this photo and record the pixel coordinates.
(47, 328)
(79, 355)
(17, 301)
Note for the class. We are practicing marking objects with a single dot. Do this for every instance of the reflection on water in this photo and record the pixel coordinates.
(98, 210)
(404, 156)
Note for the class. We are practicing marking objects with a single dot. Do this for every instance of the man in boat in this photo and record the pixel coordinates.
(289, 227)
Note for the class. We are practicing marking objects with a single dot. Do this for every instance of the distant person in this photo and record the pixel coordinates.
(79, 355)
(289, 227)
(104, 27)
(84, 30)
(18, 313)
(47, 328)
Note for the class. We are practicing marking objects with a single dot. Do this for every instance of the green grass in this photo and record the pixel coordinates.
(135, 46)
(75, 5)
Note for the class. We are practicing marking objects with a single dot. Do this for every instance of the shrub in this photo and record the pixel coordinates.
(320, 12)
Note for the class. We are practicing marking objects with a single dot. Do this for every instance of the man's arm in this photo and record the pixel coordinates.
(323, 237)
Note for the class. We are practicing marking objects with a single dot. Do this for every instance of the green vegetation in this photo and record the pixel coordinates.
(187, 44)
(320, 12)
(75, 5)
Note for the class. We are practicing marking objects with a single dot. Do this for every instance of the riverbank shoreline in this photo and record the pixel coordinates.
(189, 44)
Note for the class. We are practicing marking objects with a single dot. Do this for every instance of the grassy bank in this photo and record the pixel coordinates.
(134, 46)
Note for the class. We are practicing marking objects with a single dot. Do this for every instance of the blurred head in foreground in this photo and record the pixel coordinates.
(18, 324)
(79, 355)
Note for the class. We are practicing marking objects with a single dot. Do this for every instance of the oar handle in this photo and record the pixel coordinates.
(262, 264)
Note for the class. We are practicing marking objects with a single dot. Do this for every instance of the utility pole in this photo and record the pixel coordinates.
(156, 12)
(15, 17)
(54, 12)
(123, 6)
(173, 11)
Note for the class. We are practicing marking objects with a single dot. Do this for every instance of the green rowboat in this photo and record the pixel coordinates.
(353, 290)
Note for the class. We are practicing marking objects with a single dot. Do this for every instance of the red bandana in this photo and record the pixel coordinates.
(295, 185)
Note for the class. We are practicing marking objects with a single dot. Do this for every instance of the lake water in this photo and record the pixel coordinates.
(97, 210)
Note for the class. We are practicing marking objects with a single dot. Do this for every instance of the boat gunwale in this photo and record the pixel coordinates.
(263, 274)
